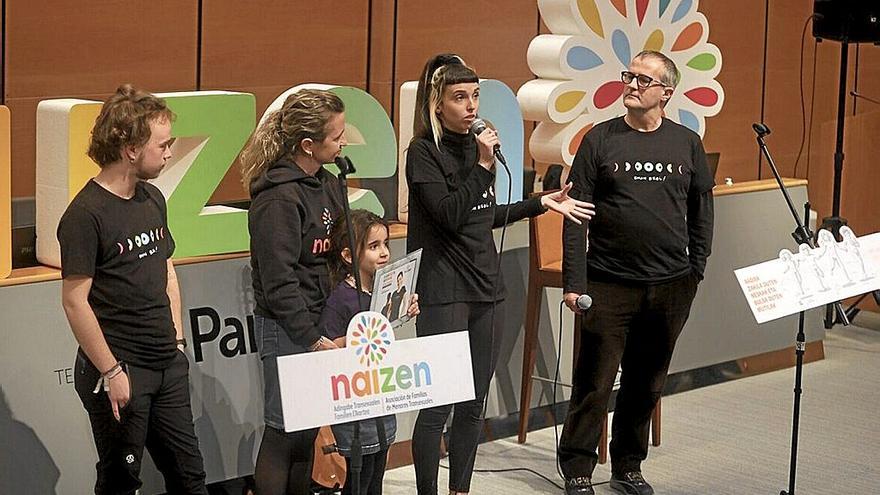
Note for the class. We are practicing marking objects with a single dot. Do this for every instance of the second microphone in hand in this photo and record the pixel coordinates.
(584, 302)
(477, 127)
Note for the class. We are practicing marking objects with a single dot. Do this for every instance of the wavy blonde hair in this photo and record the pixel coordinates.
(304, 115)
(125, 121)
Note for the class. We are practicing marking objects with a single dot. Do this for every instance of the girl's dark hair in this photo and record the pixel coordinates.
(361, 221)
(440, 71)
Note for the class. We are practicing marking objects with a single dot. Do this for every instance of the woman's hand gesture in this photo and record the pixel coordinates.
(565, 205)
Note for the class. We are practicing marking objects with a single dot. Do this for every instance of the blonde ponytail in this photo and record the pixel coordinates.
(304, 115)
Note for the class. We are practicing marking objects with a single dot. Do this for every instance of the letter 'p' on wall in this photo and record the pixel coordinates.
(211, 128)
(5, 196)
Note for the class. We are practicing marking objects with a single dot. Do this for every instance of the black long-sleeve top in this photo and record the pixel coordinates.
(654, 206)
(452, 212)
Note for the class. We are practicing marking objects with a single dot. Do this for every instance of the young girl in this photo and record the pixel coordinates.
(371, 241)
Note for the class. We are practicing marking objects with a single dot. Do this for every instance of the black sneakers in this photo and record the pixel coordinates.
(630, 483)
(579, 486)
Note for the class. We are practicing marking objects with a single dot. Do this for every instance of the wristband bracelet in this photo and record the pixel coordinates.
(110, 377)
(181, 342)
(104, 379)
(116, 367)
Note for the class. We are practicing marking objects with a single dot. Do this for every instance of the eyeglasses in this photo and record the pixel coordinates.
(642, 80)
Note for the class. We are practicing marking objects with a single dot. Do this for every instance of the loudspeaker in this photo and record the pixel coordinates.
(850, 21)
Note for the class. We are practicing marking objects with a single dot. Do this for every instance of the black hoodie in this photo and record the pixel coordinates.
(289, 220)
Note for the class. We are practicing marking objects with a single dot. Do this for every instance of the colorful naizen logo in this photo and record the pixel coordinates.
(371, 337)
(579, 66)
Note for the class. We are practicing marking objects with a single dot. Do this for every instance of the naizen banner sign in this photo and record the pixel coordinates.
(374, 375)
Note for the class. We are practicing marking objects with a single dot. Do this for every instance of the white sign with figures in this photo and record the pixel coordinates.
(812, 277)
(374, 375)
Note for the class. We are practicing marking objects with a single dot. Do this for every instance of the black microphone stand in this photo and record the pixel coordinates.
(834, 222)
(802, 235)
(347, 167)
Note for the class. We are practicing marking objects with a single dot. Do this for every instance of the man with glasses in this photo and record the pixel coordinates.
(648, 245)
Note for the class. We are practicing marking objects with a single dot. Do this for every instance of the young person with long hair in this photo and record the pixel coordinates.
(295, 203)
(371, 243)
(451, 177)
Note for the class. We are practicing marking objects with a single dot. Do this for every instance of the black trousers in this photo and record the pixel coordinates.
(485, 332)
(634, 327)
(157, 416)
(284, 462)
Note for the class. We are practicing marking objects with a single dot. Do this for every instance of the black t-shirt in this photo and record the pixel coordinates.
(396, 301)
(643, 185)
(123, 245)
(452, 212)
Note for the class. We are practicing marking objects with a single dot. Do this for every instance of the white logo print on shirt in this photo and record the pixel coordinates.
(488, 199)
(327, 219)
(143, 239)
(649, 171)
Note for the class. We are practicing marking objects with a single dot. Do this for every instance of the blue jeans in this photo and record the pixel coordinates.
(284, 463)
(273, 342)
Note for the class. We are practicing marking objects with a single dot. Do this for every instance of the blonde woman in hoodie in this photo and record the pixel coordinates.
(294, 204)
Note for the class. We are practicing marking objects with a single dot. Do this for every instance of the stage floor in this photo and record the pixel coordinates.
(734, 437)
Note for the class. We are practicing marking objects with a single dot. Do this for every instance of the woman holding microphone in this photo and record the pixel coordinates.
(450, 171)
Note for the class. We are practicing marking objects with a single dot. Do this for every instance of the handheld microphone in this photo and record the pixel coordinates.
(477, 127)
(761, 129)
(584, 302)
